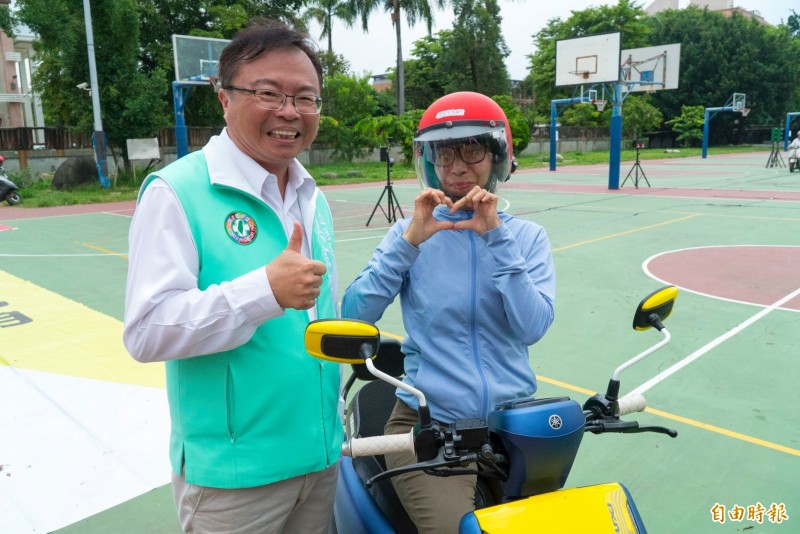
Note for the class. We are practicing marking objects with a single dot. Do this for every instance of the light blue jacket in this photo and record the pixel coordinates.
(471, 306)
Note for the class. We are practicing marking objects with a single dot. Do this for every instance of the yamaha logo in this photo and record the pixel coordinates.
(555, 422)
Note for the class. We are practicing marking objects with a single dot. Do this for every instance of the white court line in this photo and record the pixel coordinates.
(109, 254)
(701, 351)
(372, 237)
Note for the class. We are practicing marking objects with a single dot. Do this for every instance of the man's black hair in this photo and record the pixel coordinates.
(259, 37)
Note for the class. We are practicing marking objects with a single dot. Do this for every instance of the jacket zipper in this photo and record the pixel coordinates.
(473, 319)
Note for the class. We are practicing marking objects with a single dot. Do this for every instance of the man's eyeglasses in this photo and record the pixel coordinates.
(273, 100)
(470, 153)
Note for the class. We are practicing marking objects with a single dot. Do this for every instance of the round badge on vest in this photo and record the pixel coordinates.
(241, 227)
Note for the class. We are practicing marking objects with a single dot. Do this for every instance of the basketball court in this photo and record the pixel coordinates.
(85, 428)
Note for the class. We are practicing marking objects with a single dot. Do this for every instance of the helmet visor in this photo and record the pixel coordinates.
(436, 157)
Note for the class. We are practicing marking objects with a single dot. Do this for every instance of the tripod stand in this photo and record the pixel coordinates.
(637, 168)
(392, 202)
(775, 159)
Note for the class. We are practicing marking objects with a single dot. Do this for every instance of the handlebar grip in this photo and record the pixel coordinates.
(377, 445)
(633, 402)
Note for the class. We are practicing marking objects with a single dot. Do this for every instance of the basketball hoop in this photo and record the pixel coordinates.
(582, 73)
(214, 83)
(744, 111)
(600, 104)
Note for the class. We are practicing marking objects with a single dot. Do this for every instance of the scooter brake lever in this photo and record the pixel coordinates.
(431, 464)
(612, 424)
(658, 429)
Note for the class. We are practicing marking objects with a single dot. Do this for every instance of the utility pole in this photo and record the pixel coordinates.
(99, 138)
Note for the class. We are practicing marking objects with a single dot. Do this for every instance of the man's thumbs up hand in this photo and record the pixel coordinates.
(296, 240)
(295, 279)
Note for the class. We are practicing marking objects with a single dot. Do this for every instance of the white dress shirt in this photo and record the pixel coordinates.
(166, 316)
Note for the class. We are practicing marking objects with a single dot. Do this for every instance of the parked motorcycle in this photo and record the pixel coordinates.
(528, 444)
(8, 189)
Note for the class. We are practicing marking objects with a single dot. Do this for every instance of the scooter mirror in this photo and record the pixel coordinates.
(342, 340)
(655, 308)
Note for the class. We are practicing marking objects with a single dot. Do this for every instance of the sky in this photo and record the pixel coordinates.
(374, 52)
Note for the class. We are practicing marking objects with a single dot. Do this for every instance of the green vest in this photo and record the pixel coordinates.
(267, 410)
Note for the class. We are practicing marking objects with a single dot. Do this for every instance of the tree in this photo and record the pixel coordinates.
(583, 115)
(724, 55)
(324, 12)
(520, 131)
(793, 23)
(347, 99)
(221, 19)
(130, 100)
(414, 10)
(473, 54)
(625, 17)
(689, 124)
(400, 128)
(6, 23)
(638, 116)
(425, 79)
(333, 63)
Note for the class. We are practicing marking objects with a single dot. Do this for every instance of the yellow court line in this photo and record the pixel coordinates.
(105, 250)
(685, 420)
(635, 230)
(65, 337)
(724, 432)
(666, 415)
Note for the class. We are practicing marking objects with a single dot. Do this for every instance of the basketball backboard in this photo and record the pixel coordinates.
(196, 58)
(588, 60)
(738, 101)
(652, 68)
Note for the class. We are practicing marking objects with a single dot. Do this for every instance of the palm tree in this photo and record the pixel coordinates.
(324, 11)
(414, 10)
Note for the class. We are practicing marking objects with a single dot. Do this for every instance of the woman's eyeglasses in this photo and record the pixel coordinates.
(470, 153)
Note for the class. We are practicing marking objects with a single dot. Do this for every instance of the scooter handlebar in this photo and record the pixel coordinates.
(631, 403)
(377, 445)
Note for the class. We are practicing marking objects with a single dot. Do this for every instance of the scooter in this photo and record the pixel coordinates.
(8, 189)
(528, 444)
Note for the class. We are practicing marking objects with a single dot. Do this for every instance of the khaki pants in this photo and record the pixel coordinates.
(435, 504)
(301, 505)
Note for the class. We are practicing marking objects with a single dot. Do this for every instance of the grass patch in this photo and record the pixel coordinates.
(36, 191)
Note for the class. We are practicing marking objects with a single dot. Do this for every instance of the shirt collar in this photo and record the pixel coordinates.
(228, 165)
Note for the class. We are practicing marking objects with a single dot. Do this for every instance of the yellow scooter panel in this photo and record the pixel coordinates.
(596, 509)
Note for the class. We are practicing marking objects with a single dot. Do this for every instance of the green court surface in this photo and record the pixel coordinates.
(86, 450)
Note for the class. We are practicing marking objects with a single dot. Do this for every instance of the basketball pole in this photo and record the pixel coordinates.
(180, 92)
(554, 112)
(616, 138)
(98, 138)
(710, 113)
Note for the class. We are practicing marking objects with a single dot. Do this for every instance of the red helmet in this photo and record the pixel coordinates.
(460, 118)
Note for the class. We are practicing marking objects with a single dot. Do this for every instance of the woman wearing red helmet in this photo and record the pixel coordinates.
(476, 286)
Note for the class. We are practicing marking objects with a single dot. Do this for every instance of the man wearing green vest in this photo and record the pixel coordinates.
(231, 255)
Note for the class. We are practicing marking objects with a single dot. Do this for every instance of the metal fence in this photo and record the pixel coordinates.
(198, 135)
(13, 139)
(39, 138)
